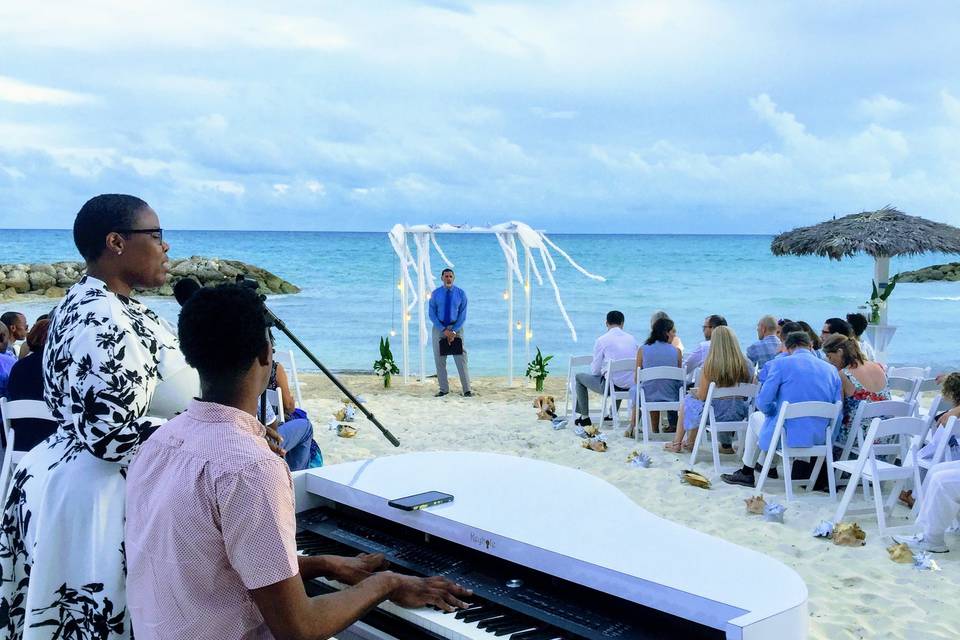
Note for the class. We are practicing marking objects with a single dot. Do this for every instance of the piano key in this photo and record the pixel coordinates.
(538, 634)
(512, 626)
(486, 622)
(517, 629)
(483, 614)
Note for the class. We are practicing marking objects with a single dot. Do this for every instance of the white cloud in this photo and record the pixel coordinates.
(881, 107)
(548, 114)
(229, 187)
(18, 92)
(315, 187)
(281, 188)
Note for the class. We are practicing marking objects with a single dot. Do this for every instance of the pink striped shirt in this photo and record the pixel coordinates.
(210, 515)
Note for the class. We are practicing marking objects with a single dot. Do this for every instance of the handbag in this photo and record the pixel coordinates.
(454, 348)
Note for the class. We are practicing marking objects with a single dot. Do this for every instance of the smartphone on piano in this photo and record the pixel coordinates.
(421, 500)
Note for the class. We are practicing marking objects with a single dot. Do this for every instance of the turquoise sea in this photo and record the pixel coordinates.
(350, 297)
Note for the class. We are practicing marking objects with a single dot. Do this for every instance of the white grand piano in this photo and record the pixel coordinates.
(551, 552)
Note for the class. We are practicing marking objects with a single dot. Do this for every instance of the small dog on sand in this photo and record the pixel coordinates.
(546, 407)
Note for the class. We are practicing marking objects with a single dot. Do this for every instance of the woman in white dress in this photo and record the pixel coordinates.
(62, 564)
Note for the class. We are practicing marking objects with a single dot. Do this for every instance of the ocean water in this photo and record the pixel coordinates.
(350, 297)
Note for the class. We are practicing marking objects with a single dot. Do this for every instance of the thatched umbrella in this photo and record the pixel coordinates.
(883, 233)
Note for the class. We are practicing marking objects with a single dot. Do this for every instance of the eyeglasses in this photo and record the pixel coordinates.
(158, 237)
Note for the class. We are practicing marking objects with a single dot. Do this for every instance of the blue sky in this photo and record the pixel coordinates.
(680, 116)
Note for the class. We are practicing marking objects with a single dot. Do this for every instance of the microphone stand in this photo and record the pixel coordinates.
(274, 321)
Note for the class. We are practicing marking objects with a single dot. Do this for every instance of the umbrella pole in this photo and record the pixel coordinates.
(881, 275)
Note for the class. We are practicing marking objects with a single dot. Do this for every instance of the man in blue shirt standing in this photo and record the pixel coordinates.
(448, 312)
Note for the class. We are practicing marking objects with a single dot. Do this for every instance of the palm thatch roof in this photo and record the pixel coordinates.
(882, 233)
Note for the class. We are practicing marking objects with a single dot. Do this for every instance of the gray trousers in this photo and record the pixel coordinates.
(587, 382)
(441, 362)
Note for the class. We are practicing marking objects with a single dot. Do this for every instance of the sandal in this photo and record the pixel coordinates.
(675, 447)
(688, 446)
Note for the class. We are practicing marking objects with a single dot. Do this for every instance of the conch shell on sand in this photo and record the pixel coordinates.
(755, 504)
(696, 479)
(347, 413)
(900, 553)
(849, 535)
(639, 459)
(594, 445)
(346, 431)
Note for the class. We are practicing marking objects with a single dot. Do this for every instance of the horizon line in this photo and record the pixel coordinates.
(551, 233)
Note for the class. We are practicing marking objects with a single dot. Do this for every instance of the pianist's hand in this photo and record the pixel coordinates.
(436, 591)
(353, 570)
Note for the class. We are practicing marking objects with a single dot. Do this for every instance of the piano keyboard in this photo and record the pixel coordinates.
(508, 602)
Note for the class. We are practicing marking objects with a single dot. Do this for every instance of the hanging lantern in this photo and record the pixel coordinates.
(392, 332)
(506, 295)
(519, 326)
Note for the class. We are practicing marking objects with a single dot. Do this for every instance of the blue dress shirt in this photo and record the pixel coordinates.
(799, 377)
(448, 308)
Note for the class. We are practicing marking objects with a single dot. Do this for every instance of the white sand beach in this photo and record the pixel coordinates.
(854, 592)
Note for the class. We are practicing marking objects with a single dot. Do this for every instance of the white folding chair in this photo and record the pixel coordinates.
(938, 447)
(868, 411)
(710, 424)
(926, 385)
(290, 366)
(908, 372)
(778, 445)
(14, 410)
(867, 467)
(645, 407)
(905, 389)
(570, 394)
(610, 392)
(275, 400)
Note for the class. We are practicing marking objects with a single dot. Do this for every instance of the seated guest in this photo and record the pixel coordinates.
(7, 360)
(780, 332)
(16, 324)
(185, 288)
(835, 325)
(615, 344)
(658, 351)
(797, 377)
(767, 345)
(26, 383)
(938, 510)
(696, 357)
(295, 428)
(950, 390)
(863, 381)
(210, 529)
(727, 367)
(858, 322)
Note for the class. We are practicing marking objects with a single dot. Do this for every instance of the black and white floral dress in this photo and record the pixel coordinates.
(61, 538)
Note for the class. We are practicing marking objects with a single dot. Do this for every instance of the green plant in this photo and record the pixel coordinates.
(537, 369)
(878, 299)
(385, 366)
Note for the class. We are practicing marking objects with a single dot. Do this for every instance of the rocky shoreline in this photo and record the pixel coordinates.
(949, 272)
(53, 280)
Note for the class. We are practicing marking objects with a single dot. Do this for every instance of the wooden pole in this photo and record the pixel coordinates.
(404, 322)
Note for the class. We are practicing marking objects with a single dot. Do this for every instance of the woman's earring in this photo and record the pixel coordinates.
(120, 253)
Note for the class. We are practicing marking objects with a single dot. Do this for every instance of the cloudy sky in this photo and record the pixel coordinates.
(683, 116)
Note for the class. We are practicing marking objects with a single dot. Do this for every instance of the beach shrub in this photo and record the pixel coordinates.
(537, 369)
(385, 366)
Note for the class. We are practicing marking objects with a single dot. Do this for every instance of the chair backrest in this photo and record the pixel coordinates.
(882, 409)
(16, 409)
(927, 385)
(940, 443)
(884, 428)
(812, 409)
(661, 373)
(580, 361)
(908, 372)
(6, 463)
(287, 359)
(742, 390)
(275, 400)
(904, 385)
(618, 366)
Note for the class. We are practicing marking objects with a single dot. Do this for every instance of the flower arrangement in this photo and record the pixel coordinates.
(385, 366)
(878, 299)
(537, 369)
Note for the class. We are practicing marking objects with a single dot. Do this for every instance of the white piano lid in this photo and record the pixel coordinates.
(501, 500)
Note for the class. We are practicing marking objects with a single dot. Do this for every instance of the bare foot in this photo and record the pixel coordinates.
(629, 433)
(906, 497)
(675, 447)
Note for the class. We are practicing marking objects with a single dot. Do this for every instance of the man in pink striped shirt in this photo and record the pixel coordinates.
(210, 511)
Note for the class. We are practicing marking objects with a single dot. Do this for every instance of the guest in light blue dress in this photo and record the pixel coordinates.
(658, 351)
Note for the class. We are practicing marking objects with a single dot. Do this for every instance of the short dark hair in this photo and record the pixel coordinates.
(858, 322)
(660, 331)
(838, 325)
(615, 317)
(9, 318)
(715, 321)
(797, 339)
(445, 270)
(99, 216)
(185, 288)
(789, 327)
(222, 330)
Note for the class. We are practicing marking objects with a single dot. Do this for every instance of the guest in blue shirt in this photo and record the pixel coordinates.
(6, 360)
(448, 313)
(767, 345)
(797, 377)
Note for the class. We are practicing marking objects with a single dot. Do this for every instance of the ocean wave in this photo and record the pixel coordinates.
(943, 298)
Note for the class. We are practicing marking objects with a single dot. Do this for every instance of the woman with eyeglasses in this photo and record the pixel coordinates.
(106, 358)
